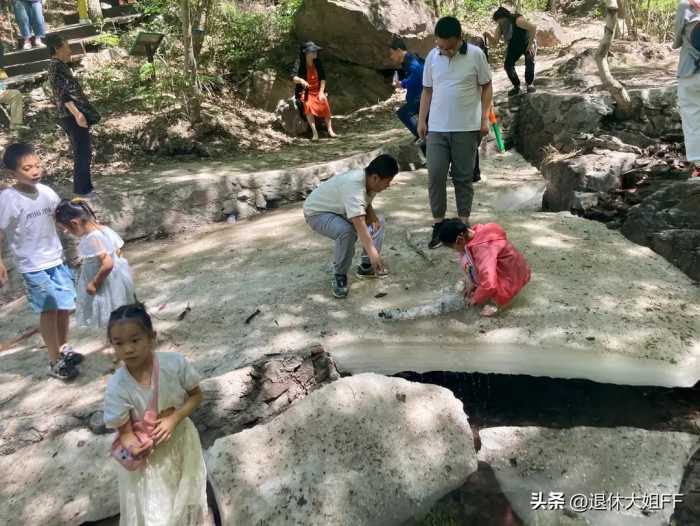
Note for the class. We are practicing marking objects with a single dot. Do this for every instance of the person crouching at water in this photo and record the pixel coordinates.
(341, 209)
(495, 270)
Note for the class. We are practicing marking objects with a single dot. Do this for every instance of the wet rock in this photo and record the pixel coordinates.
(668, 221)
(364, 450)
(449, 301)
(587, 461)
(336, 24)
(588, 173)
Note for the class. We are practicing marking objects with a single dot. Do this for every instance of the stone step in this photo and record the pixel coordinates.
(71, 32)
(113, 12)
(37, 54)
(36, 66)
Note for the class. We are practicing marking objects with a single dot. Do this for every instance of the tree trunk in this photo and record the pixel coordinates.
(94, 9)
(624, 107)
(553, 6)
(191, 92)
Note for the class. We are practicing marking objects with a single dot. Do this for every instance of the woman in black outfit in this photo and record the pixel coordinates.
(519, 34)
(75, 112)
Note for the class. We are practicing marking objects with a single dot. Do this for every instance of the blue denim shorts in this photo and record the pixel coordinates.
(50, 289)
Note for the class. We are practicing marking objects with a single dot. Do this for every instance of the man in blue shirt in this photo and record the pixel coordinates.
(412, 82)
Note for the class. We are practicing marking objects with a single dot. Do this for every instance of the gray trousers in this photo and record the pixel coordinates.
(453, 152)
(343, 233)
(13, 99)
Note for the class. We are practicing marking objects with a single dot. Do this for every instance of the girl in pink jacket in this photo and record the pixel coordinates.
(494, 268)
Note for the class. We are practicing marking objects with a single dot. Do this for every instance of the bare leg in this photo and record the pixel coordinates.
(62, 322)
(329, 127)
(48, 326)
(312, 124)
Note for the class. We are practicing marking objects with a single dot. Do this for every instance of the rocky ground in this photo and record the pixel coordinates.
(568, 321)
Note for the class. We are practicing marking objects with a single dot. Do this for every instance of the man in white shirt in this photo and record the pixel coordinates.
(341, 209)
(457, 94)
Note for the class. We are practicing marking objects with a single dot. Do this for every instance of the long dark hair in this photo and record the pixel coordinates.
(502, 12)
(450, 230)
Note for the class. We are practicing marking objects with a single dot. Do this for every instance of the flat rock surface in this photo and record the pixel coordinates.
(364, 450)
(623, 461)
(64, 480)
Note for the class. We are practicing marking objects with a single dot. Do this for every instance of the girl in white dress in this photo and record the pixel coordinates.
(170, 489)
(105, 281)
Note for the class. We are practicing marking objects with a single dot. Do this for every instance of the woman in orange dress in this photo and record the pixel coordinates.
(310, 88)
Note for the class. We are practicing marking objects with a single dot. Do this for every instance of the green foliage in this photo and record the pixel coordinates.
(153, 7)
(107, 39)
(653, 17)
(146, 72)
(439, 517)
(243, 39)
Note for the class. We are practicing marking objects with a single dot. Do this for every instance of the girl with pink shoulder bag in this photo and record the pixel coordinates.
(161, 471)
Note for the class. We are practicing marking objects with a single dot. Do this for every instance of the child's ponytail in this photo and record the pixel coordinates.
(76, 208)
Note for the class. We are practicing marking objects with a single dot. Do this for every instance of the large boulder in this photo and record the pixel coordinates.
(68, 479)
(668, 221)
(264, 89)
(359, 31)
(658, 116)
(538, 467)
(595, 172)
(550, 118)
(549, 32)
(364, 450)
(349, 87)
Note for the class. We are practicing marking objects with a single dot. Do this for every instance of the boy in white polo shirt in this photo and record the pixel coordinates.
(341, 209)
(457, 95)
(27, 219)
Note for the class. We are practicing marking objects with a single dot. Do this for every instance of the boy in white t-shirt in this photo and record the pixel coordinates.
(27, 220)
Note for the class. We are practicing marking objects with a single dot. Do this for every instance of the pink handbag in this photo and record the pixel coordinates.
(143, 429)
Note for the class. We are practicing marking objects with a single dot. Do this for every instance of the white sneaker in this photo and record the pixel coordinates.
(38, 42)
(27, 45)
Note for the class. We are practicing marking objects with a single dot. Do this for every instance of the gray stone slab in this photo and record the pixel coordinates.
(364, 450)
(624, 462)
